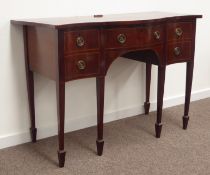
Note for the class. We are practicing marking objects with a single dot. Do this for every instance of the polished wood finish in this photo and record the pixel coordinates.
(148, 81)
(153, 53)
(66, 49)
(92, 65)
(100, 83)
(42, 50)
(131, 34)
(60, 94)
(186, 52)
(160, 92)
(187, 31)
(90, 44)
(148, 34)
(127, 19)
(189, 78)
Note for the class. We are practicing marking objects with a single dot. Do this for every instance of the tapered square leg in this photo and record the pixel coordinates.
(146, 107)
(189, 78)
(185, 121)
(100, 146)
(160, 93)
(158, 128)
(60, 91)
(33, 134)
(30, 87)
(148, 81)
(61, 158)
(100, 82)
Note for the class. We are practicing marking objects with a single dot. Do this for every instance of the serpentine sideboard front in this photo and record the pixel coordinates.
(66, 49)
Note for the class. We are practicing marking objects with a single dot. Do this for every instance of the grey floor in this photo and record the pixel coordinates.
(130, 148)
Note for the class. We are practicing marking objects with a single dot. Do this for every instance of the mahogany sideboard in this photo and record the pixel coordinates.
(66, 49)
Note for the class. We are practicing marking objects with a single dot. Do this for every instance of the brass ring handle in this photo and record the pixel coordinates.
(177, 51)
(80, 41)
(179, 32)
(121, 38)
(157, 35)
(81, 64)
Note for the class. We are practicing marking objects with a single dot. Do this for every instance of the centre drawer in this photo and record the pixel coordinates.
(121, 38)
(152, 35)
(82, 65)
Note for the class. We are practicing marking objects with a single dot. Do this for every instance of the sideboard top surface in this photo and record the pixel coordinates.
(114, 19)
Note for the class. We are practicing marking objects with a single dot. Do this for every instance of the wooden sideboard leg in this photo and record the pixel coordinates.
(60, 91)
(100, 82)
(148, 81)
(189, 77)
(30, 87)
(160, 92)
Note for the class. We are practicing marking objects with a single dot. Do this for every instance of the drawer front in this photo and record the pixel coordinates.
(84, 40)
(82, 65)
(121, 38)
(178, 52)
(152, 35)
(180, 31)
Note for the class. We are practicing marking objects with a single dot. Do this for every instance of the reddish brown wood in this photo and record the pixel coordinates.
(42, 50)
(132, 37)
(90, 44)
(107, 20)
(186, 51)
(148, 34)
(148, 80)
(160, 92)
(135, 37)
(60, 90)
(189, 78)
(51, 49)
(30, 87)
(186, 27)
(153, 54)
(60, 94)
(61, 158)
(92, 63)
(100, 83)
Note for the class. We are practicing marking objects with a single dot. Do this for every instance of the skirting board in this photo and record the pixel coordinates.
(88, 121)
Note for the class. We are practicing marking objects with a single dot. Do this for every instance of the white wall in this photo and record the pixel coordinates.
(124, 83)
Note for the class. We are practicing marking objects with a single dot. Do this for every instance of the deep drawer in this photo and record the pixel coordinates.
(82, 65)
(178, 52)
